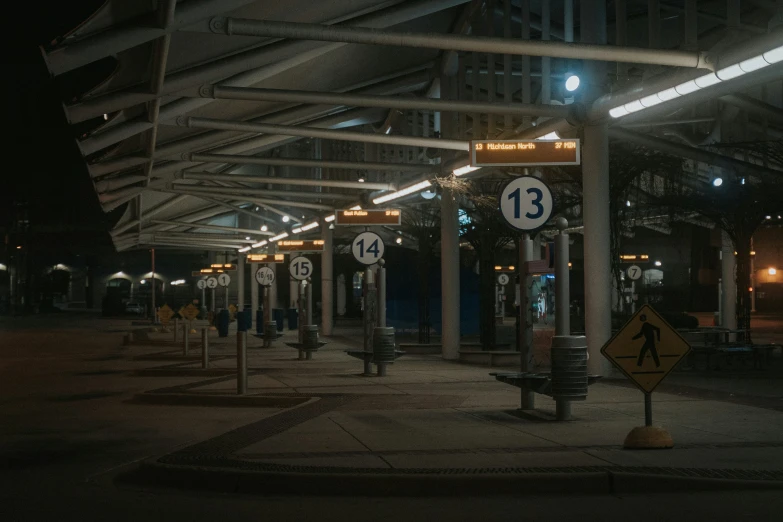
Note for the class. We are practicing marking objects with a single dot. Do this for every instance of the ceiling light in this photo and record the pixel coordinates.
(264, 228)
(143, 281)
(247, 237)
(772, 271)
(707, 80)
(464, 170)
(551, 136)
(286, 219)
(657, 263)
(329, 218)
(362, 178)
(257, 209)
(730, 72)
(310, 226)
(668, 94)
(627, 203)
(686, 88)
(245, 249)
(753, 64)
(572, 83)
(296, 230)
(356, 207)
(278, 237)
(428, 194)
(717, 182)
(398, 240)
(633, 106)
(618, 112)
(774, 56)
(403, 192)
(260, 244)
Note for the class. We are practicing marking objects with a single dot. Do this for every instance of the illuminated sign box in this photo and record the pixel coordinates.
(634, 258)
(523, 153)
(301, 245)
(368, 217)
(266, 258)
(207, 271)
(224, 266)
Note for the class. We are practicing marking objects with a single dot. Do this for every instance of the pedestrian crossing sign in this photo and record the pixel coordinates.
(646, 349)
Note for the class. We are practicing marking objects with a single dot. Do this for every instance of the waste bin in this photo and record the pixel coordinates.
(277, 315)
(293, 319)
(223, 319)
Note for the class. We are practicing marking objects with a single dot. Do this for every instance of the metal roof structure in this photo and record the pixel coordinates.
(226, 124)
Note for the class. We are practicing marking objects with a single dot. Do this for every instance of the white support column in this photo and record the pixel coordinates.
(273, 290)
(253, 297)
(728, 297)
(597, 262)
(449, 259)
(327, 282)
(241, 281)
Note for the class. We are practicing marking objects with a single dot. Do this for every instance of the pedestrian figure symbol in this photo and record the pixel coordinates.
(650, 333)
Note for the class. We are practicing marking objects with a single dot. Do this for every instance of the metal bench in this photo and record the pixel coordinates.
(535, 382)
(367, 357)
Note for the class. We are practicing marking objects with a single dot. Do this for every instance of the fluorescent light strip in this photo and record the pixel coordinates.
(727, 73)
(262, 243)
(244, 249)
(551, 136)
(403, 192)
(296, 230)
(310, 226)
(329, 218)
(464, 170)
(356, 207)
(277, 237)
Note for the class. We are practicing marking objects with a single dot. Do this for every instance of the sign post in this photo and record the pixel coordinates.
(265, 276)
(224, 280)
(646, 350)
(526, 204)
(202, 285)
(212, 283)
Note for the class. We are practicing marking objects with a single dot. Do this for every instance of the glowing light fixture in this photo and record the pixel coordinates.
(717, 182)
(286, 219)
(572, 83)
(464, 170)
(411, 189)
(772, 271)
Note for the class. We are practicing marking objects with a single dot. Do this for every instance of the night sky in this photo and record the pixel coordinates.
(43, 164)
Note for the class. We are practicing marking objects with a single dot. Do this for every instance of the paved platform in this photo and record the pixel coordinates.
(434, 418)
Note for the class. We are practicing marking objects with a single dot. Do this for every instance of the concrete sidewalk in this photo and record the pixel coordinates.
(430, 419)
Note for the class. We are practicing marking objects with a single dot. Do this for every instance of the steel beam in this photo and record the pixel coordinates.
(304, 182)
(136, 32)
(313, 132)
(322, 164)
(455, 42)
(259, 201)
(200, 189)
(388, 102)
(212, 227)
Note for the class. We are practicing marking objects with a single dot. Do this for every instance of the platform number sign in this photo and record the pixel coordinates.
(503, 279)
(265, 276)
(634, 273)
(201, 284)
(526, 203)
(368, 248)
(224, 279)
(212, 282)
(301, 268)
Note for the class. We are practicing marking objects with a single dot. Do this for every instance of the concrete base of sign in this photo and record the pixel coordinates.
(648, 437)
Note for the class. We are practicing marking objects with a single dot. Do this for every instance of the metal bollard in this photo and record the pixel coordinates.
(176, 329)
(383, 348)
(241, 363)
(185, 339)
(569, 372)
(270, 333)
(310, 342)
(204, 348)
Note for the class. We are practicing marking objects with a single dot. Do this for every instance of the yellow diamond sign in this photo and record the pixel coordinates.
(190, 312)
(165, 313)
(646, 349)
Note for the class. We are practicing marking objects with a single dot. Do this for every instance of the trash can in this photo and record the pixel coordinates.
(277, 315)
(293, 319)
(569, 367)
(223, 319)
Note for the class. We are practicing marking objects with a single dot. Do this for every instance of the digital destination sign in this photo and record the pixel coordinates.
(368, 217)
(523, 153)
(266, 258)
(300, 245)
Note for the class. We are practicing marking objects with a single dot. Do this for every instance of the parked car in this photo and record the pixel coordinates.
(134, 308)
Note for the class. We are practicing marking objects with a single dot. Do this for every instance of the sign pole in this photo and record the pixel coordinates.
(648, 409)
(213, 301)
(309, 299)
(204, 297)
(226, 303)
(154, 312)
(528, 398)
(381, 293)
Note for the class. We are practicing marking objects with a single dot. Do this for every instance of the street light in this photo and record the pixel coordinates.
(772, 271)
(572, 83)
(657, 263)
(717, 182)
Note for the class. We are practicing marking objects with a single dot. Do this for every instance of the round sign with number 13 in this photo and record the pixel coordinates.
(526, 203)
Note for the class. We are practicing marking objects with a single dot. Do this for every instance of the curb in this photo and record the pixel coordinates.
(441, 482)
(185, 372)
(189, 399)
